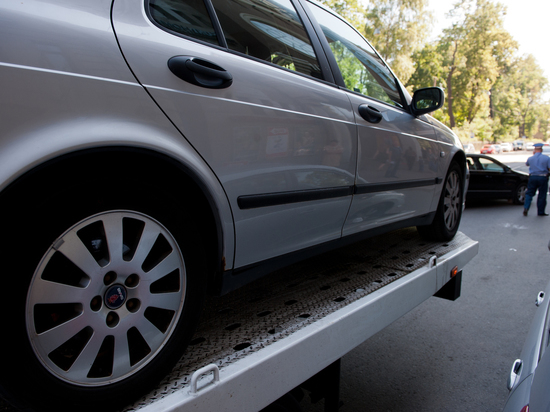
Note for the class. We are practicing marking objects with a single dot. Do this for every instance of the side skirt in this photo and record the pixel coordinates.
(234, 279)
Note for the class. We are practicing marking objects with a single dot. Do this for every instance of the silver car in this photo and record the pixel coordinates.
(530, 374)
(154, 151)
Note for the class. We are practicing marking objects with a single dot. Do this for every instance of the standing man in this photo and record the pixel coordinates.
(539, 168)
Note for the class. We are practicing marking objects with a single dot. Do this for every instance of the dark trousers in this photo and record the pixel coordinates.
(535, 183)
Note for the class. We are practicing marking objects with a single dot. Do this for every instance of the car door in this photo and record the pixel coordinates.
(490, 179)
(399, 160)
(244, 83)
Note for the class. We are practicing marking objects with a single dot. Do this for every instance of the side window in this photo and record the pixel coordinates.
(270, 30)
(188, 17)
(487, 164)
(363, 71)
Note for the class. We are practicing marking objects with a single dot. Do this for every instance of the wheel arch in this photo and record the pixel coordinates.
(123, 162)
(460, 158)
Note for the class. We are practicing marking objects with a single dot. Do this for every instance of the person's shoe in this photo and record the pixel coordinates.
(543, 214)
(525, 212)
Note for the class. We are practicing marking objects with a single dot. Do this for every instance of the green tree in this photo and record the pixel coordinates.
(397, 29)
(475, 49)
(518, 98)
(544, 121)
(429, 70)
(351, 10)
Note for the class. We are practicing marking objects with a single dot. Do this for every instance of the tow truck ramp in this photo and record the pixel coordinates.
(261, 341)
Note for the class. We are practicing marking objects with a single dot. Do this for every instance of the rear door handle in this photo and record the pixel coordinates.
(370, 114)
(200, 72)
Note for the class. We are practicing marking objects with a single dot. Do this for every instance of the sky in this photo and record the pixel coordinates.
(526, 20)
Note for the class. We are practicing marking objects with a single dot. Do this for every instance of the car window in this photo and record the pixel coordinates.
(269, 30)
(189, 18)
(362, 69)
(489, 165)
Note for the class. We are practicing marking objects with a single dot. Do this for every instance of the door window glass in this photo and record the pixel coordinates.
(363, 71)
(188, 17)
(270, 30)
(487, 164)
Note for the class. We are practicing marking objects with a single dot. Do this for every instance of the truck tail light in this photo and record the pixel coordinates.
(454, 271)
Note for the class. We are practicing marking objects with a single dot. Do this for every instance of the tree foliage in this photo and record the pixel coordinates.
(519, 94)
(475, 51)
(490, 91)
(351, 10)
(397, 29)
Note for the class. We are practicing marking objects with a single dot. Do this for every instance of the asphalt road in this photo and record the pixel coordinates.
(456, 356)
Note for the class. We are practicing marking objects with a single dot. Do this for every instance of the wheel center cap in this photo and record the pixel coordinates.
(115, 296)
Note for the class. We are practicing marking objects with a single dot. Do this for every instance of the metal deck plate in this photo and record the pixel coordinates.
(265, 311)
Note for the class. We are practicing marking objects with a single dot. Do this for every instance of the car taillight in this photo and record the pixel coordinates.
(525, 408)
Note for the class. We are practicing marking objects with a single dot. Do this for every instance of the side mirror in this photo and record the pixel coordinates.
(427, 100)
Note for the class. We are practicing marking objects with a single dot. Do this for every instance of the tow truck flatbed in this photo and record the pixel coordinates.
(261, 341)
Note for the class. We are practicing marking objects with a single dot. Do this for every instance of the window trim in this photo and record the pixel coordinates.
(324, 65)
(339, 80)
(215, 26)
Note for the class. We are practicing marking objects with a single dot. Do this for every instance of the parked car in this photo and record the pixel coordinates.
(506, 147)
(491, 179)
(529, 146)
(518, 145)
(530, 374)
(490, 149)
(154, 151)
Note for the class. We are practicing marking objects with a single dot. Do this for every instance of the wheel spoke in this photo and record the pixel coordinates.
(148, 238)
(79, 370)
(169, 264)
(121, 360)
(76, 252)
(54, 338)
(151, 334)
(112, 224)
(170, 301)
(50, 292)
(450, 217)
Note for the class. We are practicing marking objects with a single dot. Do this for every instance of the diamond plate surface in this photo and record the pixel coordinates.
(251, 318)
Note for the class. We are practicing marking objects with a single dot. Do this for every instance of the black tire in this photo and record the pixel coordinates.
(519, 194)
(449, 211)
(50, 296)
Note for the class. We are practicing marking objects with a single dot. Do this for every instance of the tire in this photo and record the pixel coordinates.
(519, 194)
(449, 210)
(105, 292)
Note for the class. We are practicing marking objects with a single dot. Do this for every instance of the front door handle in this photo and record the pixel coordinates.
(370, 114)
(200, 72)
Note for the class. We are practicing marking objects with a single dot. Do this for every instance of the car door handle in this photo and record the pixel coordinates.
(370, 114)
(200, 72)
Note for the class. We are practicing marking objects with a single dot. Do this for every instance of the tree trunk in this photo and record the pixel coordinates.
(450, 89)
(450, 98)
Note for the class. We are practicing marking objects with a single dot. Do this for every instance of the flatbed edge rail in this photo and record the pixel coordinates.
(254, 381)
